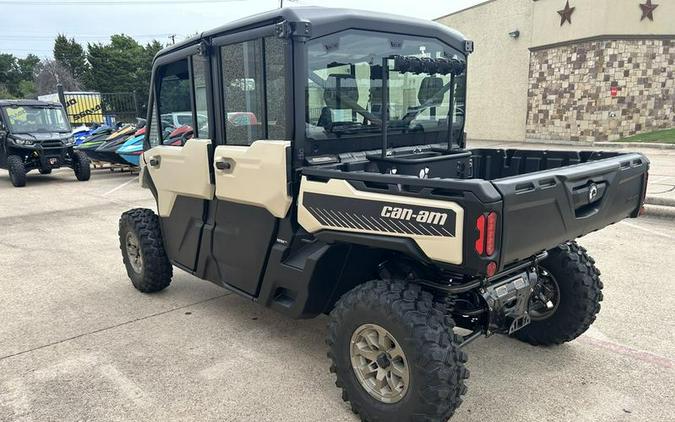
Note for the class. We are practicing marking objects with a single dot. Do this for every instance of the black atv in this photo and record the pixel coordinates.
(36, 135)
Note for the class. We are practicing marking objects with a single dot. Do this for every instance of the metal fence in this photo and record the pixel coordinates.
(99, 107)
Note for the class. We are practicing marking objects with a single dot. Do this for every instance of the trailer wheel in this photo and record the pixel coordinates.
(17, 171)
(81, 166)
(395, 355)
(143, 253)
(572, 284)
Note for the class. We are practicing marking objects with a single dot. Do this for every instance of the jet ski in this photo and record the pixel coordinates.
(131, 150)
(108, 150)
(179, 136)
(91, 147)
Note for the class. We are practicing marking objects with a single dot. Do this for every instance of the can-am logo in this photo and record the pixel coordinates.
(423, 216)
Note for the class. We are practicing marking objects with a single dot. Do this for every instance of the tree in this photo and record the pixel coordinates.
(71, 55)
(16, 76)
(52, 72)
(123, 65)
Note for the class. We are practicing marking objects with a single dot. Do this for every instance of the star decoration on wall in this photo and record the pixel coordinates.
(566, 13)
(648, 10)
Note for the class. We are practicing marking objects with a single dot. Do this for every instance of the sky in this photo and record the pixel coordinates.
(30, 26)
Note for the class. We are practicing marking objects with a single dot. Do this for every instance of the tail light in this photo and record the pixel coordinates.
(480, 242)
(487, 232)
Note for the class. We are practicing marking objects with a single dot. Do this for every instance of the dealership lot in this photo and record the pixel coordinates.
(77, 342)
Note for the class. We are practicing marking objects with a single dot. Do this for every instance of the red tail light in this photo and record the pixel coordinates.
(487, 232)
(480, 242)
(491, 233)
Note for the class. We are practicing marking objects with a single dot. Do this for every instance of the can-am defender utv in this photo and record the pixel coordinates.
(36, 135)
(346, 189)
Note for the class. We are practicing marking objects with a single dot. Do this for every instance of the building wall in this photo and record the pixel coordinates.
(570, 92)
(592, 18)
(497, 74)
(503, 98)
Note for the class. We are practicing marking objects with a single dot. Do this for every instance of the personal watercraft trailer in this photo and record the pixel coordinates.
(349, 191)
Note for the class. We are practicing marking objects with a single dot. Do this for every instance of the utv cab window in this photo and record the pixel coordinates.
(243, 92)
(344, 91)
(175, 103)
(30, 119)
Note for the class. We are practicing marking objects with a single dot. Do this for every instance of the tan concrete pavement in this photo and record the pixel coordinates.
(77, 342)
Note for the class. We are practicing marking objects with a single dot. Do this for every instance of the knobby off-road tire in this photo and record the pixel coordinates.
(143, 253)
(423, 333)
(81, 166)
(17, 171)
(580, 293)
(45, 171)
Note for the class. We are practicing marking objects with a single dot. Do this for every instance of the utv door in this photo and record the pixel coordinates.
(179, 169)
(251, 171)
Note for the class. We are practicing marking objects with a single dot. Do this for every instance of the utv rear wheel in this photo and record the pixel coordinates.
(143, 254)
(17, 171)
(572, 285)
(45, 171)
(395, 355)
(81, 166)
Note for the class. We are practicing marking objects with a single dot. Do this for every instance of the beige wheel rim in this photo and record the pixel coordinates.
(379, 363)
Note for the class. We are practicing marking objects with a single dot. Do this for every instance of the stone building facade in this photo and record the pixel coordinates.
(601, 90)
(568, 70)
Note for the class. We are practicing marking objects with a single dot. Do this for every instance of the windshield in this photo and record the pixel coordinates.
(345, 96)
(28, 119)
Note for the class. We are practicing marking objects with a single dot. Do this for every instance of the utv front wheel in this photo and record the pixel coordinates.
(395, 355)
(81, 166)
(143, 254)
(572, 289)
(17, 171)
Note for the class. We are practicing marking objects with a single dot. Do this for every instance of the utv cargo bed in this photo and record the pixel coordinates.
(542, 198)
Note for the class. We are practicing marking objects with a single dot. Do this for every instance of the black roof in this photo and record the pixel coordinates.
(27, 103)
(325, 21)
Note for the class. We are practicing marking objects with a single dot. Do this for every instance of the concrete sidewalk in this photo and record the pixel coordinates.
(661, 189)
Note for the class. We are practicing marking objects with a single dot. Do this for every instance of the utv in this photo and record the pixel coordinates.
(348, 190)
(36, 135)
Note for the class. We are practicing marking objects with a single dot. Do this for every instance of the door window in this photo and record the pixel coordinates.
(243, 92)
(275, 69)
(153, 127)
(199, 67)
(175, 103)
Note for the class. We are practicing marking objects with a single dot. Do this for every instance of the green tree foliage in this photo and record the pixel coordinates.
(71, 55)
(17, 76)
(123, 65)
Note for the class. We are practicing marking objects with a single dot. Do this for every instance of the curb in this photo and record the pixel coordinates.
(656, 200)
(660, 211)
(622, 145)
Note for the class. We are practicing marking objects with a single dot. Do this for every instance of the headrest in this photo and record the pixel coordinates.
(430, 86)
(347, 90)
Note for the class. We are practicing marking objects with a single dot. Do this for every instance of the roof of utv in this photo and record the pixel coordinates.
(27, 103)
(326, 21)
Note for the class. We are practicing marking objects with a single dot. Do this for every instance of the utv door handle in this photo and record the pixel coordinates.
(154, 161)
(223, 165)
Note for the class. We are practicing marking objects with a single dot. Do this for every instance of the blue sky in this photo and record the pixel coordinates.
(29, 26)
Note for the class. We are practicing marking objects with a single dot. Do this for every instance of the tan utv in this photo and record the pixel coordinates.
(331, 177)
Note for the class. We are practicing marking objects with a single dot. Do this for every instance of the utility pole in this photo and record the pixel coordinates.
(173, 38)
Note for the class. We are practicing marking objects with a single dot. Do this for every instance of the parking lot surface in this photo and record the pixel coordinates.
(77, 342)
